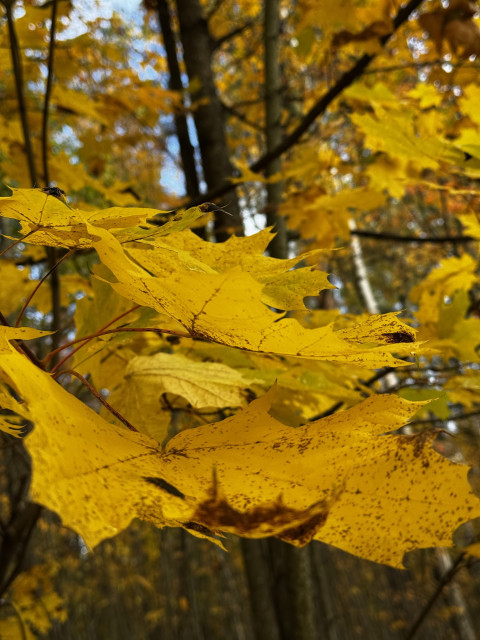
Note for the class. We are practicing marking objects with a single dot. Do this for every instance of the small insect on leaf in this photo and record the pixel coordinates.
(397, 337)
(56, 193)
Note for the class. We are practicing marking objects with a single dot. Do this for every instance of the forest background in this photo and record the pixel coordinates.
(177, 380)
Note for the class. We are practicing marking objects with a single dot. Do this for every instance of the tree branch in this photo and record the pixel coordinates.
(21, 345)
(51, 270)
(52, 253)
(231, 34)
(48, 93)
(99, 397)
(317, 110)
(18, 74)
(441, 585)
(397, 238)
(239, 116)
(422, 65)
(461, 416)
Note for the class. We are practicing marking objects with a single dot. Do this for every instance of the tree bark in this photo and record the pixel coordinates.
(208, 112)
(187, 153)
(259, 579)
(273, 125)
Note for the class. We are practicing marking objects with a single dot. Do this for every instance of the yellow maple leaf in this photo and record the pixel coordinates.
(50, 221)
(285, 286)
(386, 494)
(80, 459)
(339, 479)
(227, 308)
(452, 274)
(326, 217)
(203, 384)
(393, 131)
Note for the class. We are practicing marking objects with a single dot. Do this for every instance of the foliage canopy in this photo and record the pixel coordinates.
(228, 396)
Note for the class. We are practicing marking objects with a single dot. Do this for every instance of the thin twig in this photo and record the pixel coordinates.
(433, 598)
(453, 418)
(338, 405)
(18, 615)
(117, 330)
(53, 353)
(97, 395)
(21, 346)
(51, 270)
(421, 65)
(14, 244)
(232, 34)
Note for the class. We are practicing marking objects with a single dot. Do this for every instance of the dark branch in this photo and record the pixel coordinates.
(434, 597)
(396, 238)
(421, 65)
(239, 116)
(19, 86)
(453, 418)
(213, 10)
(99, 397)
(231, 34)
(52, 253)
(48, 93)
(317, 110)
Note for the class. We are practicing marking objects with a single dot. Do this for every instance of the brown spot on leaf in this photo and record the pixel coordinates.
(199, 528)
(297, 526)
(397, 337)
(304, 533)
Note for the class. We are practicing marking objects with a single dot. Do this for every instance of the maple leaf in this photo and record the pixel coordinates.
(226, 308)
(49, 221)
(340, 479)
(284, 285)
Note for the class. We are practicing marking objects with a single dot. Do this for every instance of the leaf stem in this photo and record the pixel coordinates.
(117, 330)
(97, 395)
(10, 246)
(51, 270)
(53, 353)
(21, 346)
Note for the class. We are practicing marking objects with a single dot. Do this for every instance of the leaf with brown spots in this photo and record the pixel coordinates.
(227, 308)
(339, 479)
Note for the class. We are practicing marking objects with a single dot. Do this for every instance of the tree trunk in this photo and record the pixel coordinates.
(273, 125)
(187, 152)
(259, 578)
(208, 112)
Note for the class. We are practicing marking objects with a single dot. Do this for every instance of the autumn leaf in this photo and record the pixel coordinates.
(107, 480)
(50, 221)
(284, 284)
(340, 479)
(203, 384)
(227, 308)
(139, 397)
